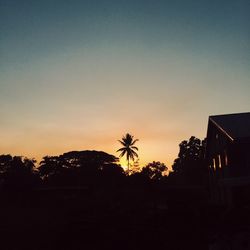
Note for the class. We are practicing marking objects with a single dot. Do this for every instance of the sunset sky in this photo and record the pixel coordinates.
(78, 75)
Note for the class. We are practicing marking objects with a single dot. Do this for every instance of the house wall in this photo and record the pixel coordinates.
(218, 151)
(240, 160)
(228, 161)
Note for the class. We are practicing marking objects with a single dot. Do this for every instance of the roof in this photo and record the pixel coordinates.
(234, 126)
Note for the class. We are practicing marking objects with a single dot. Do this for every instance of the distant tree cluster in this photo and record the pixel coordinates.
(75, 168)
(78, 196)
(190, 166)
(18, 172)
(78, 168)
(154, 170)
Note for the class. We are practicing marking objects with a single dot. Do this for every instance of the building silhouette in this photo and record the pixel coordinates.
(228, 158)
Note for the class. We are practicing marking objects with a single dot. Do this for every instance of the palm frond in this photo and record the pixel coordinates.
(121, 149)
(122, 142)
(133, 147)
(122, 153)
(133, 142)
(134, 153)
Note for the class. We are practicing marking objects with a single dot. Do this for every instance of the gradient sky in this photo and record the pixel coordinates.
(78, 75)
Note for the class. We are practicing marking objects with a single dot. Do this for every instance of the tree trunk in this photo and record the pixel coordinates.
(128, 166)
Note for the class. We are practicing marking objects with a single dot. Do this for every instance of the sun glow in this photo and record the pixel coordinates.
(124, 164)
(133, 165)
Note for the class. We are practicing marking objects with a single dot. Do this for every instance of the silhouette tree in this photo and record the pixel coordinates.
(154, 170)
(18, 172)
(77, 167)
(128, 148)
(190, 162)
(5, 162)
(49, 166)
(136, 166)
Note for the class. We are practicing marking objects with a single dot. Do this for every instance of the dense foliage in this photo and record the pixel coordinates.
(77, 168)
(71, 200)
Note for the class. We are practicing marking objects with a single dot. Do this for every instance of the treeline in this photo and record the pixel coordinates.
(76, 168)
(85, 168)
(85, 200)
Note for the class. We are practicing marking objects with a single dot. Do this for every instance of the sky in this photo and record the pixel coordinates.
(78, 75)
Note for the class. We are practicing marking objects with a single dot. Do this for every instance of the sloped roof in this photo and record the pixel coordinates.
(235, 126)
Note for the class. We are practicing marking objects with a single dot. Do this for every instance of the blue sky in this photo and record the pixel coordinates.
(79, 74)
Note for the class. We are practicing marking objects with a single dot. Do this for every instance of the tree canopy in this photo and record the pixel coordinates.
(190, 163)
(17, 171)
(154, 170)
(76, 167)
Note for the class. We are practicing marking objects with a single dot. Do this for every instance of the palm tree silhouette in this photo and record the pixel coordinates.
(128, 148)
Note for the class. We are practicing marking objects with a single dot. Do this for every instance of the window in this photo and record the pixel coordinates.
(226, 159)
(219, 161)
